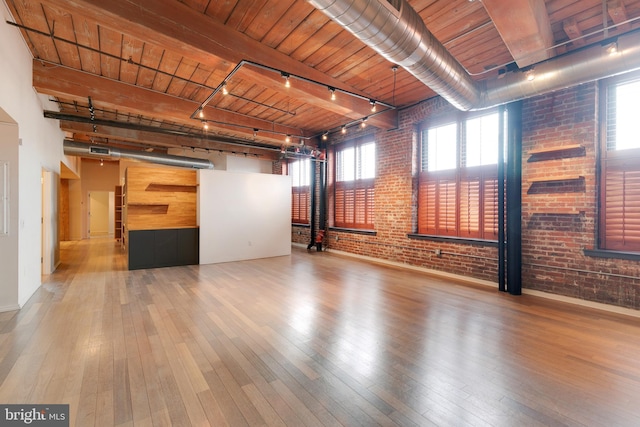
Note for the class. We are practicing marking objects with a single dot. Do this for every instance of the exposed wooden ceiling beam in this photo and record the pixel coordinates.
(524, 27)
(618, 13)
(179, 28)
(67, 83)
(571, 29)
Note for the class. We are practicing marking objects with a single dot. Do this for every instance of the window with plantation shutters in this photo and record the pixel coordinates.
(355, 170)
(458, 183)
(620, 167)
(300, 173)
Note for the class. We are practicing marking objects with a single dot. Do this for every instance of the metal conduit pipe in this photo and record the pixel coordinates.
(396, 31)
(72, 148)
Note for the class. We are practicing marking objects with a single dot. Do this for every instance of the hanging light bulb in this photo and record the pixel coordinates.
(287, 139)
(333, 93)
(101, 162)
(363, 124)
(343, 129)
(225, 91)
(201, 113)
(205, 125)
(286, 79)
(373, 106)
(325, 136)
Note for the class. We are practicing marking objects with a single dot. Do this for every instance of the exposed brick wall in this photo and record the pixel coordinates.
(395, 205)
(558, 218)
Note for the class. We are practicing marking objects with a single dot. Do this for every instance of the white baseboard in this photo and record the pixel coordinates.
(9, 308)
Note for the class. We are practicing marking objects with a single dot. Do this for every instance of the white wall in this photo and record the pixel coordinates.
(243, 216)
(50, 212)
(40, 148)
(9, 242)
(248, 164)
(228, 162)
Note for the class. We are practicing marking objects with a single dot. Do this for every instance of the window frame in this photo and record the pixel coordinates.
(616, 169)
(474, 188)
(300, 194)
(356, 196)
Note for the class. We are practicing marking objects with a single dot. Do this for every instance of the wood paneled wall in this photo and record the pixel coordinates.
(160, 197)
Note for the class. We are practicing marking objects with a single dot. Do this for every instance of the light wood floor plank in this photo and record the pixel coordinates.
(312, 339)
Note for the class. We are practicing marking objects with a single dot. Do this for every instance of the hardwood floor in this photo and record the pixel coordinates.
(313, 339)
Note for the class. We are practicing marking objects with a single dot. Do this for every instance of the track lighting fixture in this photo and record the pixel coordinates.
(363, 124)
(200, 115)
(286, 79)
(612, 48)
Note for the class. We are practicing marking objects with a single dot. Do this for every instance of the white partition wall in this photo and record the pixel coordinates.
(30, 143)
(243, 216)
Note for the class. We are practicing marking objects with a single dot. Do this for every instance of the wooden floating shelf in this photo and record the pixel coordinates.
(557, 178)
(148, 208)
(174, 188)
(560, 211)
(555, 149)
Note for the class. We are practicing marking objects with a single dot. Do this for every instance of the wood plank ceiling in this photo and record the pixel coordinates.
(137, 72)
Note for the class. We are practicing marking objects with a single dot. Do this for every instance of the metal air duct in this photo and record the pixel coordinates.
(396, 31)
(72, 148)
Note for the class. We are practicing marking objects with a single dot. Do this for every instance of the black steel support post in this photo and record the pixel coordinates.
(312, 192)
(514, 198)
(322, 221)
(502, 286)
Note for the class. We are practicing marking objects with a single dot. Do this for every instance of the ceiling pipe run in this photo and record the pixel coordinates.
(396, 31)
(72, 148)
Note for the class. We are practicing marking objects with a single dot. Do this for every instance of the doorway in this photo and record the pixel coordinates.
(101, 213)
